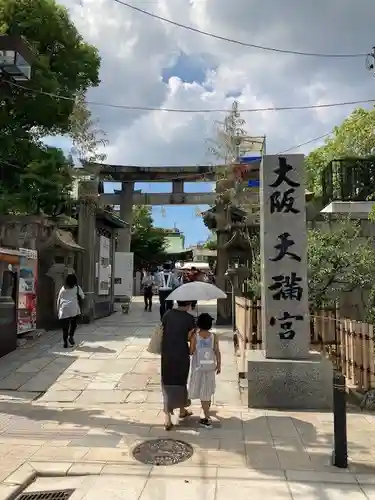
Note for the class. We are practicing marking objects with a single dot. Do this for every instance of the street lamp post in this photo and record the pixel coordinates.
(15, 58)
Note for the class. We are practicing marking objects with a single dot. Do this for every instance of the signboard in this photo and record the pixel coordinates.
(104, 267)
(124, 274)
(27, 280)
(18, 279)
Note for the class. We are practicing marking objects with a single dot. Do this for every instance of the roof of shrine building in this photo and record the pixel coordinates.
(125, 173)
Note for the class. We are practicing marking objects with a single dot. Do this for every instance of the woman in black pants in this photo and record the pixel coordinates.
(69, 303)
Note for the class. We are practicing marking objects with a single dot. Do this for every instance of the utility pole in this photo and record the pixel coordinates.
(370, 60)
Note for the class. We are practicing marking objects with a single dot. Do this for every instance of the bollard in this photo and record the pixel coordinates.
(340, 450)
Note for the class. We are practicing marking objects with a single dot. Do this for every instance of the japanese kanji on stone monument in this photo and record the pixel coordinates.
(285, 374)
(285, 311)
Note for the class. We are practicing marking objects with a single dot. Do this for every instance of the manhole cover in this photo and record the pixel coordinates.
(162, 452)
(46, 495)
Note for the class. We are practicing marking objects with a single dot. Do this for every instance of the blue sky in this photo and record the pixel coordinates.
(189, 69)
(184, 218)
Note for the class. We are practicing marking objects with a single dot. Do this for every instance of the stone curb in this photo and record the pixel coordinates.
(27, 473)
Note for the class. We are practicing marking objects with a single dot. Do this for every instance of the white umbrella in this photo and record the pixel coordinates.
(197, 290)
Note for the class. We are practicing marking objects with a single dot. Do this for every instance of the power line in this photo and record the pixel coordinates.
(305, 143)
(184, 110)
(237, 42)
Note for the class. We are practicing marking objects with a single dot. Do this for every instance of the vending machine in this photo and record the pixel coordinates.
(18, 279)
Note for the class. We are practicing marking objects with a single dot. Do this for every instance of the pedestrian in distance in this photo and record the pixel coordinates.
(69, 308)
(148, 283)
(166, 281)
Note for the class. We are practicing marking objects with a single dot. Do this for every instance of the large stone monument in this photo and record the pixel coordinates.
(285, 374)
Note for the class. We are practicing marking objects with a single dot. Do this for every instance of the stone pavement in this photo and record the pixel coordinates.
(81, 411)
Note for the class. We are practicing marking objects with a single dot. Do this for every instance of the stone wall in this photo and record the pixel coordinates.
(31, 232)
(24, 231)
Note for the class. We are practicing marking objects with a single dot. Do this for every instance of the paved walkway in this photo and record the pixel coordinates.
(81, 411)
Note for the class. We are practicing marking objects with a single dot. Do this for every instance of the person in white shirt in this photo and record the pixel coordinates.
(166, 281)
(147, 283)
(69, 307)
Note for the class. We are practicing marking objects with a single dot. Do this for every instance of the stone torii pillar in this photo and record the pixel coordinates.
(126, 214)
(88, 196)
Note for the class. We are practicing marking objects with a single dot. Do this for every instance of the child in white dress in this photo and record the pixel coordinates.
(205, 364)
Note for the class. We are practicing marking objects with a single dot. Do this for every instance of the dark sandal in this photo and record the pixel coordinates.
(185, 415)
(168, 427)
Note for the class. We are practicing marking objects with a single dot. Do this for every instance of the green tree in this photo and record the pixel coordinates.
(210, 243)
(46, 183)
(63, 65)
(43, 185)
(354, 137)
(340, 260)
(148, 242)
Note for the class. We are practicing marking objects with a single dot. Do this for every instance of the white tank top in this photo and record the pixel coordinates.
(204, 353)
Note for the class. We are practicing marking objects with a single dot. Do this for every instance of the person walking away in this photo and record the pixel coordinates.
(148, 283)
(166, 282)
(69, 307)
(178, 329)
(195, 276)
(177, 278)
(205, 364)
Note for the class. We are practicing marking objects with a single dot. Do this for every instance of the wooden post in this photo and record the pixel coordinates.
(371, 355)
(347, 349)
(357, 354)
(365, 358)
(351, 351)
(251, 325)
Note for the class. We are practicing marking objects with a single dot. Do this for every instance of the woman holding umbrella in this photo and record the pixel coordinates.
(178, 328)
(178, 331)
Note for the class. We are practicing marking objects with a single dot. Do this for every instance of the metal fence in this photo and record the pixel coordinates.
(348, 179)
(347, 343)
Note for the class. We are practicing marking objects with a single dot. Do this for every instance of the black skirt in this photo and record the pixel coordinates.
(174, 377)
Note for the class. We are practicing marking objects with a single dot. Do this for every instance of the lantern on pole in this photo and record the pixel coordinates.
(15, 58)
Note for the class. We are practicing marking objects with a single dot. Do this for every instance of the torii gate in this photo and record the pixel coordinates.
(127, 196)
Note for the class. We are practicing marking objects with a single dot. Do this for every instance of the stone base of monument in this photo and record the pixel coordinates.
(289, 383)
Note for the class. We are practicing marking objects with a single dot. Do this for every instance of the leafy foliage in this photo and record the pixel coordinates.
(63, 64)
(355, 137)
(43, 185)
(88, 138)
(210, 243)
(339, 261)
(148, 243)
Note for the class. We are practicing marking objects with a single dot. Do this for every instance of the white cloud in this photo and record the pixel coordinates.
(135, 48)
